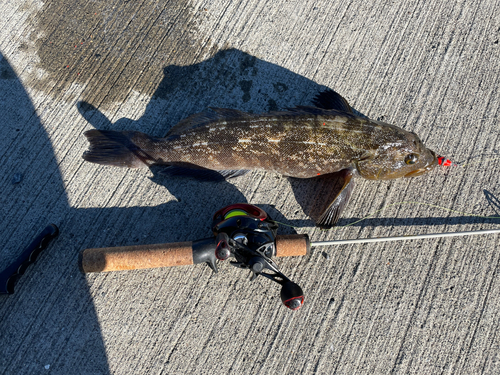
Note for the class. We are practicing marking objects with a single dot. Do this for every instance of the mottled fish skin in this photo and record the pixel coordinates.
(302, 142)
(297, 143)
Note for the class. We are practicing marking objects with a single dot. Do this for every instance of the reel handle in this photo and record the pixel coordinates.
(292, 295)
(174, 254)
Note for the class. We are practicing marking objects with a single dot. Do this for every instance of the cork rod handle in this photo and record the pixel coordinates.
(292, 245)
(137, 257)
(174, 254)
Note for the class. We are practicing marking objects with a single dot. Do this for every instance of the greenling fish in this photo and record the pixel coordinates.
(302, 142)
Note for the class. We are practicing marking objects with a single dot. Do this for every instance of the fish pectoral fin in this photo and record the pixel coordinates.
(198, 173)
(330, 99)
(331, 215)
(368, 155)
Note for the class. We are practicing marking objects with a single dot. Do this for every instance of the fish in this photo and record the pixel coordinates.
(302, 142)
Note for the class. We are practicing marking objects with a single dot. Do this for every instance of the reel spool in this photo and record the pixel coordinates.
(248, 234)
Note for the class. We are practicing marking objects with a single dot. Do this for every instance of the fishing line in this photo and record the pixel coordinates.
(428, 204)
(476, 162)
(421, 203)
(401, 204)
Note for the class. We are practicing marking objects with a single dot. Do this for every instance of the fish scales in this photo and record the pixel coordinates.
(301, 142)
(298, 145)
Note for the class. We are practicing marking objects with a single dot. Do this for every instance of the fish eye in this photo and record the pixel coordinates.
(411, 158)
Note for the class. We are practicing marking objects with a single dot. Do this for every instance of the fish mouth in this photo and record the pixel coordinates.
(416, 173)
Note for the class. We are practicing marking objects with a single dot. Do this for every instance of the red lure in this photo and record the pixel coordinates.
(444, 162)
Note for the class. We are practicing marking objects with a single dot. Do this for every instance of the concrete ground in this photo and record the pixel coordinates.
(422, 307)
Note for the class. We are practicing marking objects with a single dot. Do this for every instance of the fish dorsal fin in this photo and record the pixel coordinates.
(193, 121)
(306, 109)
(214, 114)
(204, 118)
(229, 113)
(309, 110)
(330, 99)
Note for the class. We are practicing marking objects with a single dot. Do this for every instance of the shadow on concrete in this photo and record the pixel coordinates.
(51, 320)
(493, 201)
(230, 79)
(235, 79)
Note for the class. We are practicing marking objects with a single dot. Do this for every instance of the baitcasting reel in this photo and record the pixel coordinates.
(242, 231)
(248, 234)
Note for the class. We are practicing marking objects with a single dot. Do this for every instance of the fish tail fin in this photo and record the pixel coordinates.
(120, 149)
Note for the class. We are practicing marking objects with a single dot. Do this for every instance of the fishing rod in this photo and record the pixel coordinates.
(404, 238)
(243, 232)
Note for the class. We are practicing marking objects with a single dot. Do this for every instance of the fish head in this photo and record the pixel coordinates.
(402, 156)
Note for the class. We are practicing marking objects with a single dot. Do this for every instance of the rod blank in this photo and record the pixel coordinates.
(404, 238)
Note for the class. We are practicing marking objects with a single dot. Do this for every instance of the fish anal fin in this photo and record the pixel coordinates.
(331, 215)
(199, 173)
(330, 99)
(232, 173)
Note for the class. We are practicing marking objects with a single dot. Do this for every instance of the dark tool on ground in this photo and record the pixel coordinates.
(11, 274)
(242, 231)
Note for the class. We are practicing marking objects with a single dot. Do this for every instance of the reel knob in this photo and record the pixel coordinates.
(292, 295)
(256, 265)
(222, 250)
